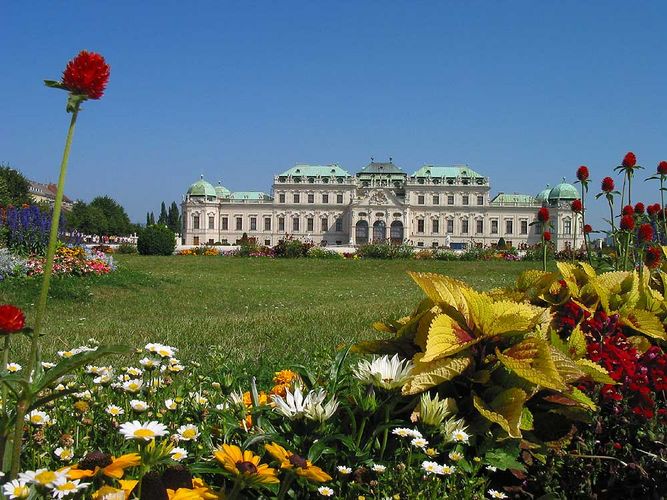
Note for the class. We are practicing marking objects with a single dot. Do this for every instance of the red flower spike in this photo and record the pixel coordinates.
(546, 235)
(12, 319)
(639, 208)
(653, 210)
(627, 223)
(543, 214)
(629, 160)
(588, 229)
(87, 74)
(582, 173)
(628, 210)
(608, 184)
(645, 233)
(653, 257)
(662, 168)
(577, 206)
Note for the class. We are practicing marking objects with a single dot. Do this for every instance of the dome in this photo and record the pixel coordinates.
(543, 195)
(202, 188)
(563, 192)
(221, 191)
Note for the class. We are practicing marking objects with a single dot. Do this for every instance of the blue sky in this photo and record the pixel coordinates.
(522, 91)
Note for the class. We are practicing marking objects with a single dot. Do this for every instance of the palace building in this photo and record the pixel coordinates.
(436, 206)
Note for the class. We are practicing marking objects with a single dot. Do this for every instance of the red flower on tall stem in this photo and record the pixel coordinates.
(546, 235)
(653, 257)
(588, 229)
(543, 214)
(87, 74)
(645, 233)
(582, 173)
(629, 160)
(662, 168)
(639, 208)
(577, 207)
(653, 210)
(12, 319)
(628, 210)
(627, 223)
(608, 184)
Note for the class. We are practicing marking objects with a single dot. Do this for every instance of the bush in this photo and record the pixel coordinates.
(291, 249)
(322, 253)
(126, 248)
(385, 251)
(156, 240)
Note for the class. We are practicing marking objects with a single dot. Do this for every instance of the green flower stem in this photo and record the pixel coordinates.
(236, 489)
(584, 190)
(285, 484)
(614, 235)
(5, 430)
(574, 237)
(544, 249)
(662, 207)
(361, 431)
(26, 397)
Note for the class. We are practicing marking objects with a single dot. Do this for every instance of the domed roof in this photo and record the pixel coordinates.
(202, 188)
(563, 192)
(544, 194)
(221, 191)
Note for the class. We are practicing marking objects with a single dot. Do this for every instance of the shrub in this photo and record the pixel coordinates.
(156, 240)
(323, 253)
(385, 251)
(126, 248)
(291, 248)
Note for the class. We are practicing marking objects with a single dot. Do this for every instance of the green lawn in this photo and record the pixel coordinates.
(262, 313)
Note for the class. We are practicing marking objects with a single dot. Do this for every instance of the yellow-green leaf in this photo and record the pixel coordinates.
(567, 368)
(427, 375)
(446, 337)
(506, 410)
(531, 359)
(644, 322)
(576, 343)
(596, 372)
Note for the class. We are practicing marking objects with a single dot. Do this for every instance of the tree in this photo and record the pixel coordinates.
(148, 219)
(14, 187)
(174, 218)
(118, 223)
(162, 220)
(151, 219)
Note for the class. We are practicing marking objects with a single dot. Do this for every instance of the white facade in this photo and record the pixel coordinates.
(434, 207)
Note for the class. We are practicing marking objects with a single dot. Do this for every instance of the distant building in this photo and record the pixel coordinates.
(46, 193)
(436, 206)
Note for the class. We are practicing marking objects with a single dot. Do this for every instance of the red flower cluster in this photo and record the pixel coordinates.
(627, 223)
(654, 209)
(588, 229)
(12, 319)
(568, 316)
(543, 214)
(577, 206)
(629, 160)
(645, 233)
(628, 210)
(87, 74)
(662, 168)
(582, 173)
(639, 208)
(608, 184)
(546, 235)
(653, 257)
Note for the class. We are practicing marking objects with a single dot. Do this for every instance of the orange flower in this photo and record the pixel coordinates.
(115, 469)
(280, 390)
(247, 398)
(303, 467)
(245, 464)
(285, 377)
(199, 491)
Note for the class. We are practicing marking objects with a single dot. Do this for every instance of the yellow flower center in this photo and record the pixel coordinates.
(20, 491)
(163, 352)
(36, 419)
(144, 433)
(68, 486)
(46, 477)
(189, 433)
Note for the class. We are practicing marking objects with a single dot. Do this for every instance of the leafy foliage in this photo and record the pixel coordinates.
(156, 240)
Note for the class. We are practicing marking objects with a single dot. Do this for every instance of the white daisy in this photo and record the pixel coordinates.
(491, 468)
(47, 365)
(138, 405)
(104, 379)
(114, 410)
(165, 351)
(455, 456)
(149, 363)
(325, 491)
(63, 487)
(178, 454)
(16, 489)
(145, 431)
(430, 467)
(188, 432)
(43, 477)
(497, 494)
(448, 469)
(419, 443)
(134, 372)
(460, 436)
(344, 470)
(378, 468)
(133, 385)
(87, 395)
(296, 405)
(176, 368)
(14, 367)
(64, 454)
(170, 404)
(38, 418)
(384, 372)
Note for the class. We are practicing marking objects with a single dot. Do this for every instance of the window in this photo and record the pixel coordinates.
(253, 223)
(567, 226)
(450, 226)
(466, 199)
(339, 198)
(325, 224)
(225, 224)
(480, 226)
(195, 240)
(310, 224)
(509, 227)
(267, 223)
(339, 225)
(524, 227)
(464, 226)
(420, 199)
(267, 243)
(480, 200)
(211, 222)
(195, 222)
(420, 226)
(281, 197)
(224, 241)
(210, 241)
(420, 243)
(436, 226)
(239, 224)
(281, 224)
(325, 198)
(295, 224)
(296, 198)
(311, 198)
(436, 199)
(494, 227)
(450, 199)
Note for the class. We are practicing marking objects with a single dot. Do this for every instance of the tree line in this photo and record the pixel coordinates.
(170, 218)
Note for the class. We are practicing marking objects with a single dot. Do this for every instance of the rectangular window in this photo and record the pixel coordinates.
(253, 223)
(339, 225)
(195, 240)
(225, 224)
(267, 223)
(436, 226)
(436, 199)
(494, 227)
(281, 198)
(464, 226)
(310, 224)
(450, 199)
(295, 224)
(524, 227)
(296, 198)
(420, 226)
(509, 227)
(267, 243)
(210, 241)
(480, 200)
(281, 224)
(420, 199)
(239, 223)
(211, 222)
(339, 198)
(195, 222)
(311, 198)
(325, 224)
(480, 226)
(450, 226)
(466, 199)
(325, 198)
(567, 227)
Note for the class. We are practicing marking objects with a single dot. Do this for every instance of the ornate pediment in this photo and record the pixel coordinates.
(378, 198)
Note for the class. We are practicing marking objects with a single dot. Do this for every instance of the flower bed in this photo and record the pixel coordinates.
(73, 261)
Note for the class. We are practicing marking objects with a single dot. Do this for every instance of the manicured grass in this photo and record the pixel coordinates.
(262, 313)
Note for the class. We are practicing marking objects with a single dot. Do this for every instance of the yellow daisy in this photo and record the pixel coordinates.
(246, 464)
(303, 467)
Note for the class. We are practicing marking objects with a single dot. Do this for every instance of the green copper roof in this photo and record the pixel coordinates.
(221, 191)
(316, 171)
(202, 188)
(249, 195)
(451, 171)
(513, 199)
(381, 168)
(544, 194)
(563, 191)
